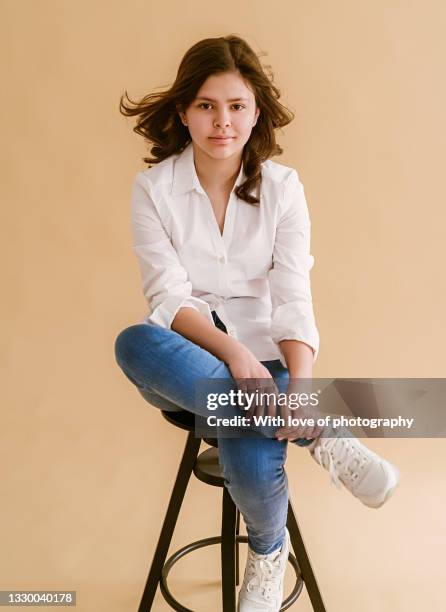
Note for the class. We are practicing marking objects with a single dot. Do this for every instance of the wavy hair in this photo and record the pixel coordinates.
(160, 125)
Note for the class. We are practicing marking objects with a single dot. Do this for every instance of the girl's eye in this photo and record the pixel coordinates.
(208, 104)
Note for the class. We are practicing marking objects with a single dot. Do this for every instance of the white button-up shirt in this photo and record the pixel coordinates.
(255, 276)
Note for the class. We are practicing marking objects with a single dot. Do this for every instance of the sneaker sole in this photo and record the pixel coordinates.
(395, 473)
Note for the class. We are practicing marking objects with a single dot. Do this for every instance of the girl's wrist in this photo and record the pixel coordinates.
(231, 348)
(303, 372)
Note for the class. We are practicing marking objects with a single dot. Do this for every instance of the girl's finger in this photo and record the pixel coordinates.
(290, 433)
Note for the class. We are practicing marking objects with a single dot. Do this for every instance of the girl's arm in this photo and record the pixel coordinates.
(244, 366)
(293, 326)
(299, 358)
(195, 327)
(165, 281)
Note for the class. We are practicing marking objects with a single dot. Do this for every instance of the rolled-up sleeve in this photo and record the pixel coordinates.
(165, 282)
(289, 277)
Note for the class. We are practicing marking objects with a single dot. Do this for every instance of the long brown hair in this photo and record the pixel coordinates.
(160, 124)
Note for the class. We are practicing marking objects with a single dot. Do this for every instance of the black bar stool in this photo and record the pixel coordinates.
(205, 467)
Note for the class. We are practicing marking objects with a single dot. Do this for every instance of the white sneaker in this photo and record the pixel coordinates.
(262, 588)
(365, 474)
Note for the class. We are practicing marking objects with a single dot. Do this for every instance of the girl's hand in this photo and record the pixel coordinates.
(251, 376)
(304, 413)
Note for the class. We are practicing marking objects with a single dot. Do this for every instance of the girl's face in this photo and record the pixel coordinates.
(224, 106)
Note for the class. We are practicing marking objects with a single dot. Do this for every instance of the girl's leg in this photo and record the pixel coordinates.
(254, 475)
(164, 363)
(253, 469)
(168, 365)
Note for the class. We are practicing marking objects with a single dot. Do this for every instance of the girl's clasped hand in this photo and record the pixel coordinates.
(297, 406)
(300, 421)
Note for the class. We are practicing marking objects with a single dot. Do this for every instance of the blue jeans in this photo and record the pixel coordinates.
(167, 366)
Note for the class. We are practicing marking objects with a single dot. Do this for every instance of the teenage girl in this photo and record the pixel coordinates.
(222, 237)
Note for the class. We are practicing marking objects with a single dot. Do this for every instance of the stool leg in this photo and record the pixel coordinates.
(176, 499)
(304, 562)
(228, 552)
(237, 551)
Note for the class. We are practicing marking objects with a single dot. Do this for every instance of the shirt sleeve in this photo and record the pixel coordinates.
(165, 282)
(289, 278)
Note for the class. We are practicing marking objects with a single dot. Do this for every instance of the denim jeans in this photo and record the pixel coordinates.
(166, 367)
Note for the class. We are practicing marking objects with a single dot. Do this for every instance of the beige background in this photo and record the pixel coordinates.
(87, 465)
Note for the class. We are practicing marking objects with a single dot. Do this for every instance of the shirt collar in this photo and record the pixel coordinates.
(185, 176)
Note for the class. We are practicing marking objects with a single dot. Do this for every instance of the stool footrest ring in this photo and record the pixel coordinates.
(176, 556)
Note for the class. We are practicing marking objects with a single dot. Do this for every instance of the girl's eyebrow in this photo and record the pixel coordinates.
(230, 100)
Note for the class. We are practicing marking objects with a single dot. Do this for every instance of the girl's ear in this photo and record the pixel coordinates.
(181, 114)
(256, 116)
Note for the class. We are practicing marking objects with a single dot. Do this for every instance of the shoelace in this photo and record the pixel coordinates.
(347, 454)
(262, 571)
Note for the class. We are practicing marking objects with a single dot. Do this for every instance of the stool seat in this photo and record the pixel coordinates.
(185, 420)
(207, 468)
(180, 418)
